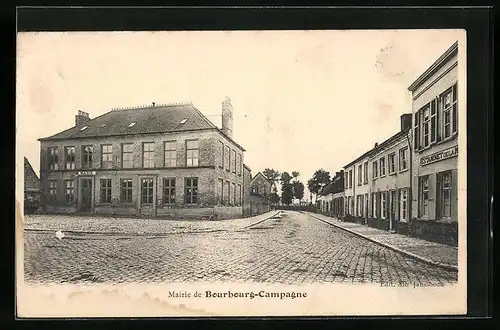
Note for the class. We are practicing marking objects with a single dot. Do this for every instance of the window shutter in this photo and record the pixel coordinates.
(432, 196)
(397, 203)
(438, 195)
(416, 143)
(454, 195)
(439, 109)
(433, 121)
(454, 114)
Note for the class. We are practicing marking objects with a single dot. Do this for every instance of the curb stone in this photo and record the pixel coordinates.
(392, 247)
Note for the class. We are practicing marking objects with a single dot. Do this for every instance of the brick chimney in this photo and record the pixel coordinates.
(406, 121)
(227, 117)
(81, 118)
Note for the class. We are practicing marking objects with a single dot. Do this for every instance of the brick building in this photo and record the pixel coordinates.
(160, 161)
(435, 158)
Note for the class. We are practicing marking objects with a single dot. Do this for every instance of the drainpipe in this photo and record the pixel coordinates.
(410, 192)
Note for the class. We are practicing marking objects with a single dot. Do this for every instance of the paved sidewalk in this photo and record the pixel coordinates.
(434, 253)
(135, 226)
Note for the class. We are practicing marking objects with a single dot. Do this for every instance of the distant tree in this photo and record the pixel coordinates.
(298, 190)
(273, 176)
(274, 198)
(286, 188)
(319, 180)
(295, 175)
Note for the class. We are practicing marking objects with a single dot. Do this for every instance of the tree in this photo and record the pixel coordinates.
(298, 190)
(286, 188)
(274, 198)
(273, 176)
(319, 180)
(295, 175)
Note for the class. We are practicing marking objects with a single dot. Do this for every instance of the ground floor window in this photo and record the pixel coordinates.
(374, 205)
(52, 190)
(169, 190)
(105, 191)
(383, 204)
(220, 192)
(70, 185)
(191, 193)
(147, 191)
(444, 196)
(423, 187)
(126, 191)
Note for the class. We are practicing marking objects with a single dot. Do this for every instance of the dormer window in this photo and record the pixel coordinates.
(84, 128)
(103, 125)
(184, 121)
(131, 125)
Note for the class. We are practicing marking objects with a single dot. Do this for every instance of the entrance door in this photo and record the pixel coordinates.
(393, 210)
(86, 190)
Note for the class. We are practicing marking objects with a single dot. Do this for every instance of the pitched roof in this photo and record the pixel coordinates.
(262, 175)
(31, 180)
(152, 119)
(337, 185)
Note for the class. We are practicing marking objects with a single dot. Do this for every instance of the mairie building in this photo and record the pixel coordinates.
(151, 161)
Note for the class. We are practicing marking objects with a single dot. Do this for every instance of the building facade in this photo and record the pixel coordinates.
(357, 189)
(332, 196)
(151, 161)
(247, 176)
(390, 175)
(31, 188)
(260, 191)
(435, 127)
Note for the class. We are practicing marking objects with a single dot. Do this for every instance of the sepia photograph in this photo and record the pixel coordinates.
(241, 173)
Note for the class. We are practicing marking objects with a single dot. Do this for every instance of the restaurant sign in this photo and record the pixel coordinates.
(85, 173)
(435, 157)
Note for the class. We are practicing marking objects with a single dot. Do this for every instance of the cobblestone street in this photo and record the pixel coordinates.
(295, 248)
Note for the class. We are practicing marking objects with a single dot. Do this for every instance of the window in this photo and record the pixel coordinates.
(238, 165)
(170, 154)
(234, 193)
(382, 166)
(107, 155)
(147, 191)
(105, 191)
(350, 178)
(53, 158)
(383, 204)
(426, 126)
(52, 190)
(403, 162)
(375, 169)
(374, 205)
(127, 155)
(234, 161)
(416, 130)
(70, 185)
(424, 196)
(148, 154)
(360, 205)
(444, 202)
(221, 154)
(366, 172)
(360, 175)
(228, 192)
(404, 204)
(238, 198)
(191, 193)
(227, 158)
(448, 108)
(391, 159)
(126, 191)
(220, 192)
(169, 190)
(87, 156)
(192, 153)
(69, 158)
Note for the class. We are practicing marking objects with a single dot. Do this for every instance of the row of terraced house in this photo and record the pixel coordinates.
(155, 161)
(408, 183)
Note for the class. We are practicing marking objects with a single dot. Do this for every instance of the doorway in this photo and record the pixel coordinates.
(86, 191)
(393, 201)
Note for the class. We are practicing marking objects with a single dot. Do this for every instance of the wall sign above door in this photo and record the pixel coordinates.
(436, 157)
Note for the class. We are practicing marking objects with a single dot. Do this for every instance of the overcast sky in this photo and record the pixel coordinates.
(302, 100)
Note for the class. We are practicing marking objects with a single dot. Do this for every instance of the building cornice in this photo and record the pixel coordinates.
(434, 67)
